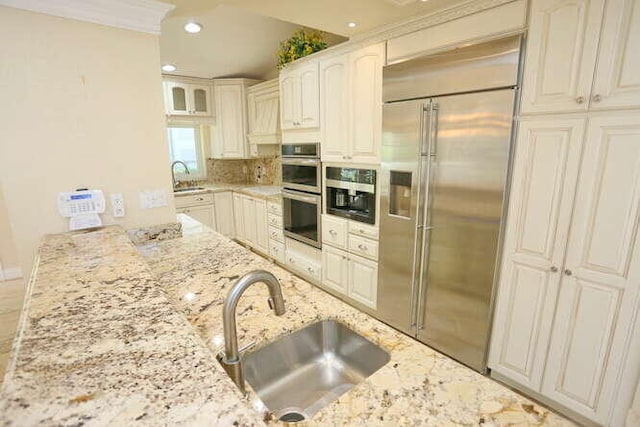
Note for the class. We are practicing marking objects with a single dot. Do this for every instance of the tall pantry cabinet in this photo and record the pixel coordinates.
(568, 298)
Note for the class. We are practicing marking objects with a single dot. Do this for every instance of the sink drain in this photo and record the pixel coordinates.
(292, 417)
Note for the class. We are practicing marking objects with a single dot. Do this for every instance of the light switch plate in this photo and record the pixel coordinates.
(150, 199)
(117, 205)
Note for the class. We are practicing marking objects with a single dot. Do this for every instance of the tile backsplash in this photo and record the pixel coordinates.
(266, 171)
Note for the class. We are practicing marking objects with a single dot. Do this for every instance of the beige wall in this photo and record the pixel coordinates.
(633, 419)
(80, 106)
(8, 253)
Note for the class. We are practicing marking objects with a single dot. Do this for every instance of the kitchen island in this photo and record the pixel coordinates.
(112, 337)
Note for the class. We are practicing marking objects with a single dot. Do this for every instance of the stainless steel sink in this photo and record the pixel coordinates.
(299, 374)
(180, 190)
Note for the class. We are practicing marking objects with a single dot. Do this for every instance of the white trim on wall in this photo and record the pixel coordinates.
(137, 15)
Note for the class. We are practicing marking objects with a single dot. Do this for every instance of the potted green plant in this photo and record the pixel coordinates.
(301, 43)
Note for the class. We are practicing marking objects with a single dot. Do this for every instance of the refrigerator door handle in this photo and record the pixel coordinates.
(433, 129)
(428, 152)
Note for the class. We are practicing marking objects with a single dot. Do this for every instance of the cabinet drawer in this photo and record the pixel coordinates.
(276, 234)
(334, 231)
(365, 247)
(276, 250)
(364, 230)
(304, 266)
(194, 200)
(274, 207)
(274, 220)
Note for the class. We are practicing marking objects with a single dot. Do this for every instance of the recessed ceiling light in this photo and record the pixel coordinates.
(192, 27)
(168, 68)
(352, 25)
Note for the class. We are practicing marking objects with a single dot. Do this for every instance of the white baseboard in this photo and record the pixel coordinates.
(11, 273)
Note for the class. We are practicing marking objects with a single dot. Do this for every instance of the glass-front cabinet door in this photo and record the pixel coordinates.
(201, 100)
(186, 99)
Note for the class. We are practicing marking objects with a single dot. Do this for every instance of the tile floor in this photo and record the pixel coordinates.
(11, 298)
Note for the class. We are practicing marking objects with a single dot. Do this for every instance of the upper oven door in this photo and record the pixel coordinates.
(302, 174)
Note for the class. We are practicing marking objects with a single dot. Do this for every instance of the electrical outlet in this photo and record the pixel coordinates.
(117, 205)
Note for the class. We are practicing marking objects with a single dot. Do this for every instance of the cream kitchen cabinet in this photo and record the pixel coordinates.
(264, 117)
(198, 206)
(350, 275)
(231, 122)
(363, 280)
(253, 229)
(203, 214)
(582, 54)
(224, 216)
(238, 219)
(299, 96)
(345, 269)
(335, 269)
(571, 266)
(187, 99)
(351, 105)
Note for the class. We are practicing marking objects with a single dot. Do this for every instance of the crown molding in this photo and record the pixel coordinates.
(402, 28)
(138, 15)
(421, 22)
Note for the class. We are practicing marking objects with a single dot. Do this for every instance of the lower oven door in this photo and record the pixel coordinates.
(301, 215)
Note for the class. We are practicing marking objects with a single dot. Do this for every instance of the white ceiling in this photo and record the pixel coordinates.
(240, 37)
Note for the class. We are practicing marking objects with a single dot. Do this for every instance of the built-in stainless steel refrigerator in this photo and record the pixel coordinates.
(447, 131)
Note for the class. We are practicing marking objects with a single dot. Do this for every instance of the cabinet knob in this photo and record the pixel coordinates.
(310, 270)
(596, 98)
(332, 232)
(568, 272)
(199, 199)
(580, 100)
(554, 269)
(362, 247)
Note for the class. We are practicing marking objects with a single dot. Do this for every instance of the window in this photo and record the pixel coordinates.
(185, 144)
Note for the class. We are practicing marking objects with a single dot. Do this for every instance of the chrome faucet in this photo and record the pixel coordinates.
(231, 361)
(173, 173)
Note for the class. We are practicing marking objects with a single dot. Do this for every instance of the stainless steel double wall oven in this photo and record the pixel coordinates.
(302, 192)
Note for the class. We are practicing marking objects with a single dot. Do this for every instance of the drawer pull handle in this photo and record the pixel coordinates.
(568, 272)
(310, 270)
(361, 231)
(362, 247)
(199, 199)
(332, 232)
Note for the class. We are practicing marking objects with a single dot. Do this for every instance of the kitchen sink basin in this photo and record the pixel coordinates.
(299, 374)
(180, 190)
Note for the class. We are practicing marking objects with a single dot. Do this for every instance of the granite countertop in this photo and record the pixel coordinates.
(100, 344)
(418, 386)
(255, 190)
(109, 339)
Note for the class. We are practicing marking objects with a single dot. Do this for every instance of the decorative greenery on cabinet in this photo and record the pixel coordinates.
(300, 44)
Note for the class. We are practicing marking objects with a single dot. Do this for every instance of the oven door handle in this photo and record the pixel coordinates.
(303, 162)
(303, 198)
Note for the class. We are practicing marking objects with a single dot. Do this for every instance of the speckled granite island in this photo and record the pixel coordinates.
(112, 336)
